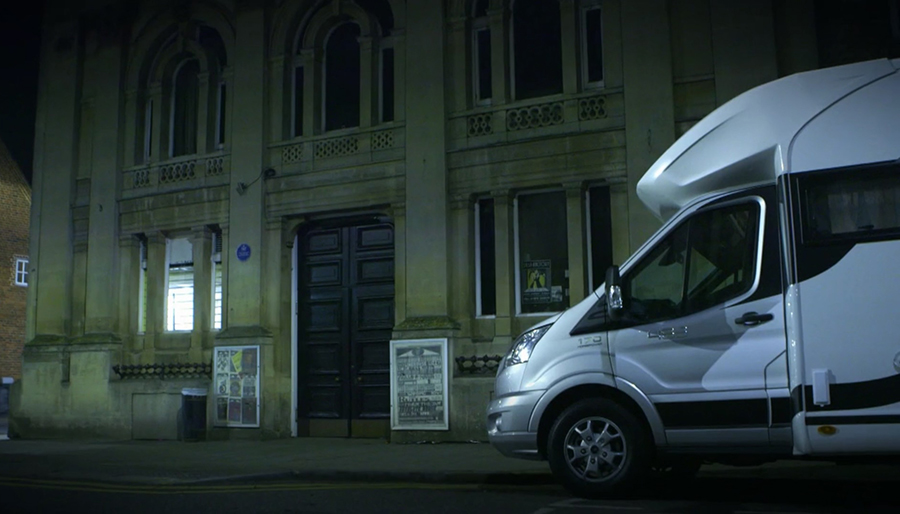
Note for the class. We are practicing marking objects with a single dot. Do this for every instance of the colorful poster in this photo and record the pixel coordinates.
(537, 282)
(237, 386)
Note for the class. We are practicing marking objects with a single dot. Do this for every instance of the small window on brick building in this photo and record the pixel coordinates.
(21, 271)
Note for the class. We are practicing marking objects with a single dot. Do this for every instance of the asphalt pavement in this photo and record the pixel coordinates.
(326, 459)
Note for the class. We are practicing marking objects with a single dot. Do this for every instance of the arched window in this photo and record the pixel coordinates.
(185, 103)
(481, 53)
(342, 77)
(537, 49)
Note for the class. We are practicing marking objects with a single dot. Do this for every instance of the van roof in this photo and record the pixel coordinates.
(741, 143)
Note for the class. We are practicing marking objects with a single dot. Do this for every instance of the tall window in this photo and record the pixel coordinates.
(485, 259)
(387, 84)
(185, 102)
(591, 47)
(542, 258)
(537, 49)
(179, 285)
(342, 77)
(21, 278)
(220, 115)
(297, 115)
(148, 130)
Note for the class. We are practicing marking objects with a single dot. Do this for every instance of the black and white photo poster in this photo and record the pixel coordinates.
(419, 385)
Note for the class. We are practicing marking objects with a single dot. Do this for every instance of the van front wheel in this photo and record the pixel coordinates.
(598, 448)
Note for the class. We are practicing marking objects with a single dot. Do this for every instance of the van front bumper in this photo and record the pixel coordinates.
(508, 421)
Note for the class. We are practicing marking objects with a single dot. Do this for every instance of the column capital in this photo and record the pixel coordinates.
(574, 189)
(200, 233)
(502, 196)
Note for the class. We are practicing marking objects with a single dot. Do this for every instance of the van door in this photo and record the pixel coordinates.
(845, 283)
(702, 322)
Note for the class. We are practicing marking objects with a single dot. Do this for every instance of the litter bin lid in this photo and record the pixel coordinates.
(193, 391)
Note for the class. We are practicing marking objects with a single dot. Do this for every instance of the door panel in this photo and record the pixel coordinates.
(346, 296)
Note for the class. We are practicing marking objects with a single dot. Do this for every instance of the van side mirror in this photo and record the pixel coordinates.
(614, 303)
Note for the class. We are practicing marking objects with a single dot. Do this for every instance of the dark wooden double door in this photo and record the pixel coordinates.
(346, 302)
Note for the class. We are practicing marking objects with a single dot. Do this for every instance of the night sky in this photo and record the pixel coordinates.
(20, 26)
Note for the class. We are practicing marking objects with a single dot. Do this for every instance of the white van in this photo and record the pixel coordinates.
(761, 322)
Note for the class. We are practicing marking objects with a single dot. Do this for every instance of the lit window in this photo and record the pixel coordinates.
(21, 271)
(542, 256)
(179, 285)
(217, 281)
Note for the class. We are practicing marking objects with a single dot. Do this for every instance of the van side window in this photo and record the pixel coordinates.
(856, 204)
(707, 260)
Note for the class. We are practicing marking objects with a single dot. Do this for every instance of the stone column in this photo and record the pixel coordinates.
(101, 78)
(399, 75)
(504, 244)
(201, 245)
(246, 211)
(129, 278)
(426, 167)
(571, 37)
(499, 19)
(618, 210)
(159, 136)
(576, 237)
(156, 294)
(460, 49)
(649, 108)
(50, 249)
(368, 83)
(312, 87)
(204, 135)
(743, 46)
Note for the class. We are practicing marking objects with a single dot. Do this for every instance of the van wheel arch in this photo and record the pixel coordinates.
(576, 394)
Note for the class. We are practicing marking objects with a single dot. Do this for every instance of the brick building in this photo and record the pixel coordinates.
(289, 186)
(15, 209)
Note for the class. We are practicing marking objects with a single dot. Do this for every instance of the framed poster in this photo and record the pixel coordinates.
(236, 382)
(419, 392)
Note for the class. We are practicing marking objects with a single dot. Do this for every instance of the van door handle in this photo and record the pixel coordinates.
(751, 318)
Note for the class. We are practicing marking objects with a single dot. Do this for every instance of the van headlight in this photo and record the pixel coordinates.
(524, 345)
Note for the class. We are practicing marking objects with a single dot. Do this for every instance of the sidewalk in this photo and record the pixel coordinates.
(322, 459)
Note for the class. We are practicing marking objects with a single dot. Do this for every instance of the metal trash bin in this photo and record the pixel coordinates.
(193, 414)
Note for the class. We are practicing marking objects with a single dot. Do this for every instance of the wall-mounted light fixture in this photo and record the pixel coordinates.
(242, 187)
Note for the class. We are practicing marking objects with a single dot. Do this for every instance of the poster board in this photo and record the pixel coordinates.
(236, 386)
(419, 385)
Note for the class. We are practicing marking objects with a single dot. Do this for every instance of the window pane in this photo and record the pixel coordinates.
(863, 205)
(601, 235)
(298, 101)
(543, 252)
(217, 295)
(184, 107)
(342, 78)
(179, 285)
(220, 127)
(594, 45)
(723, 249)
(387, 84)
(537, 46)
(483, 57)
(180, 298)
(487, 258)
(655, 288)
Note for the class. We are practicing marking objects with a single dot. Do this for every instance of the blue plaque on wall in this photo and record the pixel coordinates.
(243, 252)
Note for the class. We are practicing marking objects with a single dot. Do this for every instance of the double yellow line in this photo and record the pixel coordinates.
(100, 487)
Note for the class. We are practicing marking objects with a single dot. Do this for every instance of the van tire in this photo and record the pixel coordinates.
(597, 448)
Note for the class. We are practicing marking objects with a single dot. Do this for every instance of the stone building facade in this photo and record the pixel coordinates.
(306, 180)
(15, 209)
